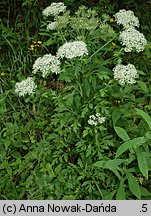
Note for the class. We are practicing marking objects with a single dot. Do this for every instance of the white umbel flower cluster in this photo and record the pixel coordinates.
(132, 39)
(126, 18)
(54, 9)
(96, 119)
(125, 74)
(24, 87)
(72, 49)
(46, 64)
(52, 26)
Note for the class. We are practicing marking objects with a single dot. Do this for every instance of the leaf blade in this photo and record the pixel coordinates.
(121, 191)
(142, 163)
(133, 185)
(121, 133)
(129, 144)
(145, 116)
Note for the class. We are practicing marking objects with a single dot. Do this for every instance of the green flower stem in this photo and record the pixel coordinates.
(96, 136)
(101, 48)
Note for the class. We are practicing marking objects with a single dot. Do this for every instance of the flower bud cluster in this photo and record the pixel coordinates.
(46, 64)
(131, 38)
(125, 74)
(72, 49)
(54, 9)
(96, 119)
(126, 18)
(24, 87)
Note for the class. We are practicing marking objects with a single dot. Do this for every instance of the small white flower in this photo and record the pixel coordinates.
(26, 86)
(52, 26)
(132, 39)
(46, 64)
(96, 119)
(72, 49)
(101, 119)
(126, 18)
(54, 9)
(125, 74)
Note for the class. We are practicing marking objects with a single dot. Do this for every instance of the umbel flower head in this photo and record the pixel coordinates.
(72, 50)
(46, 64)
(26, 86)
(52, 26)
(125, 74)
(126, 18)
(54, 9)
(132, 39)
(96, 119)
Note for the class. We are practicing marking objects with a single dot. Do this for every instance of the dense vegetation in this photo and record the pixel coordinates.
(80, 128)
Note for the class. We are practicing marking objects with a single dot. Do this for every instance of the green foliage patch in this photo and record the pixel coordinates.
(53, 143)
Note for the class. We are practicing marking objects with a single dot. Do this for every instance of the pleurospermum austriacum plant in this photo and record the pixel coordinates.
(47, 64)
(54, 9)
(72, 49)
(26, 86)
(125, 74)
(95, 130)
(130, 37)
(132, 40)
(96, 119)
(126, 18)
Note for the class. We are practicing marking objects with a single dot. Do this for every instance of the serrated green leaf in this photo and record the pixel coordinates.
(121, 133)
(133, 185)
(142, 163)
(129, 144)
(115, 116)
(145, 116)
(142, 85)
(121, 191)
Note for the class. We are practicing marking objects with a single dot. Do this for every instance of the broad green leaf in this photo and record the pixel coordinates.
(121, 191)
(129, 144)
(111, 165)
(142, 85)
(110, 195)
(145, 116)
(100, 164)
(115, 116)
(115, 171)
(133, 185)
(121, 133)
(145, 192)
(142, 163)
(114, 163)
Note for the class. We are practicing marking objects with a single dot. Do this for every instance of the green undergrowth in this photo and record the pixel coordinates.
(47, 148)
